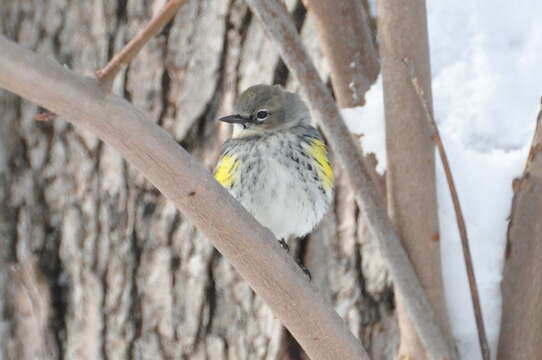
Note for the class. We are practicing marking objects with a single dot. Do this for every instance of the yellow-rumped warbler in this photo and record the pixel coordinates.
(276, 164)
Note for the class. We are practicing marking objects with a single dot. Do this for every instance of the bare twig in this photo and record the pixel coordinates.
(345, 35)
(45, 116)
(279, 27)
(251, 248)
(107, 74)
(484, 346)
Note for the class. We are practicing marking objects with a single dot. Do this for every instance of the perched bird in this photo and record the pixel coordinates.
(276, 164)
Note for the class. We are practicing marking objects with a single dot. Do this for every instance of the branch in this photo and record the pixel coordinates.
(250, 247)
(410, 174)
(107, 74)
(345, 35)
(482, 337)
(521, 328)
(279, 27)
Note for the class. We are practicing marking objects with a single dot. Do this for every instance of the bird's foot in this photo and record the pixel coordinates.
(304, 268)
(284, 245)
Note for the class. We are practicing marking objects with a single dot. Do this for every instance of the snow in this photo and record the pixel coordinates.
(369, 122)
(485, 59)
(484, 183)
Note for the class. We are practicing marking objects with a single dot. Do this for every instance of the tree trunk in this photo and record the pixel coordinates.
(521, 326)
(95, 264)
(412, 201)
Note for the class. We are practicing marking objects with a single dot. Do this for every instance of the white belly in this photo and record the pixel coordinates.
(283, 202)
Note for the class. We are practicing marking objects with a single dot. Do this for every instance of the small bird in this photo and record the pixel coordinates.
(276, 164)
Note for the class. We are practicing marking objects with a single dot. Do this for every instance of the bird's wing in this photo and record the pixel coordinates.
(317, 149)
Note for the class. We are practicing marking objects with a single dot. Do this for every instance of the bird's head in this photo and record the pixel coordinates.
(264, 108)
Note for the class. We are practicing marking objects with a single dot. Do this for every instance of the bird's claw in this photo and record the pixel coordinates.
(284, 245)
(304, 268)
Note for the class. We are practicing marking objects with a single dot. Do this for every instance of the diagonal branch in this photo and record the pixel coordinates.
(107, 74)
(279, 27)
(482, 337)
(249, 247)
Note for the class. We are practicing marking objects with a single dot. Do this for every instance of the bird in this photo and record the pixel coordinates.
(276, 164)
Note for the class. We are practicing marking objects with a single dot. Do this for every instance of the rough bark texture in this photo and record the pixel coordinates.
(521, 328)
(411, 168)
(95, 264)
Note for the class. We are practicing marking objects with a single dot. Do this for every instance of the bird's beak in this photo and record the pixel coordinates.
(236, 119)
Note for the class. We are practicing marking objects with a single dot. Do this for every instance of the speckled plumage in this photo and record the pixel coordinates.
(277, 180)
(282, 175)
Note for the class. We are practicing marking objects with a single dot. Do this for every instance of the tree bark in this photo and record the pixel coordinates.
(114, 270)
(411, 165)
(521, 326)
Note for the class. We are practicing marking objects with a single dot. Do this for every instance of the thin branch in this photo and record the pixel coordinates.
(45, 116)
(107, 74)
(484, 346)
(248, 246)
(277, 24)
(347, 42)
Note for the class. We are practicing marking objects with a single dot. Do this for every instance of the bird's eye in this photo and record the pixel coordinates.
(262, 114)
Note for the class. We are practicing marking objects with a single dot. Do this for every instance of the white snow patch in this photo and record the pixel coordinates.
(368, 121)
(483, 181)
(485, 60)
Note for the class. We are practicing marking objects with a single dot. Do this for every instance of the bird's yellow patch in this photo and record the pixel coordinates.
(225, 170)
(318, 151)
